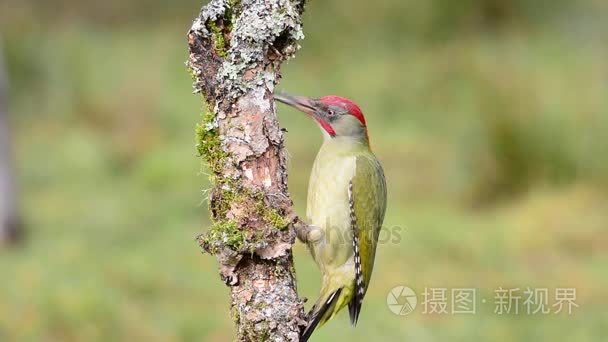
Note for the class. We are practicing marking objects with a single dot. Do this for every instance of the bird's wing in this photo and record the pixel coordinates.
(367, 196)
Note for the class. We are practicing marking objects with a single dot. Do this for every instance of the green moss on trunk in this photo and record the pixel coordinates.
(227, 193)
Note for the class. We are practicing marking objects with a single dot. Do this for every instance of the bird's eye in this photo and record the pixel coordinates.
(331, 112)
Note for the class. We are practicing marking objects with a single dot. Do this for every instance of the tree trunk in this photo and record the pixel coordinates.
(236, 48)
(9, 227)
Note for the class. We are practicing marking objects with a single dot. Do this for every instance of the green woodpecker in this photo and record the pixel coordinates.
(345, 209)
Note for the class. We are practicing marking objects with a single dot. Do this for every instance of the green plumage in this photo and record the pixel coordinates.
(340, 162)
(369, 204)
(369, 192)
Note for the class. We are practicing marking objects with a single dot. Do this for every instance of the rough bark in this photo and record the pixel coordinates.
(9, 225)
(236, 48)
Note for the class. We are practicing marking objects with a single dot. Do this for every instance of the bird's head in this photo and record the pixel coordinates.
(337, 116)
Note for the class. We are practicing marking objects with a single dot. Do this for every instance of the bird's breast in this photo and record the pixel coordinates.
(328, 207)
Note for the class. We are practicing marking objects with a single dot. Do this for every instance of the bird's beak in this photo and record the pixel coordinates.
(308, 106)
(301, 103)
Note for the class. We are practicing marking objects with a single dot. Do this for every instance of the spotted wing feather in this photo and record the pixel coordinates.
(367, 199)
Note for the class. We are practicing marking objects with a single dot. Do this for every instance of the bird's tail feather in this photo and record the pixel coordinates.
(354, 308)
(320, 313)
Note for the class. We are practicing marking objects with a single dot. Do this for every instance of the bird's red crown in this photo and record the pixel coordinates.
(348, 105)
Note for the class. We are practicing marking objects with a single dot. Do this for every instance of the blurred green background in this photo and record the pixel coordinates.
(489, 116)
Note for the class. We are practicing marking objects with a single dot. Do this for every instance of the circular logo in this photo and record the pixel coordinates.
(401, 300)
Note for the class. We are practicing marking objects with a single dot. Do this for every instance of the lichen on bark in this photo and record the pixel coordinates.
(235, 51)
